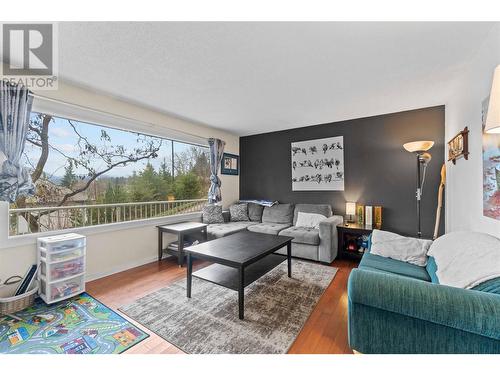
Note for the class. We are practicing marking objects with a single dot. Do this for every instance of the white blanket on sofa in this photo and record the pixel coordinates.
(466, 259)
(407, 249)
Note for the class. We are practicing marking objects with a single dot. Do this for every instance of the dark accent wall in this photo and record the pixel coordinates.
(378, 171)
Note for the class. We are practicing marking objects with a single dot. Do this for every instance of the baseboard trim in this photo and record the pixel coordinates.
(120, 268)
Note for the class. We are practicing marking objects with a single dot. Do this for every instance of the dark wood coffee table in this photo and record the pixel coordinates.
(239, 260)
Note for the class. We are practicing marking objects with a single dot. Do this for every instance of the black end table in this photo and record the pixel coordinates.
(181, 230)
(239, 260)
(351, 232)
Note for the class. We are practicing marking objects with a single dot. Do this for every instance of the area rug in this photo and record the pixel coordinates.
(80, 325)
(276, 308)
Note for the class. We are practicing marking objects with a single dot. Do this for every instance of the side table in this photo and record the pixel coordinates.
(348, 234)
(181, 230)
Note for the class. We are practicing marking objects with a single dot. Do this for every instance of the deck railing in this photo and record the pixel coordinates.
(44, 219)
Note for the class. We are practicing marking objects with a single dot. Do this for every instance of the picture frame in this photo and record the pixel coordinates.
(458, 146)
(369, 216)
(491, 168)
(318, 164)
(360, 213)
(230, 164)
(377, 215)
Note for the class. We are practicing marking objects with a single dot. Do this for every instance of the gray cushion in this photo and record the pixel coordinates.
(239, 212)
(268, 228)
(302, 250)
(308, 236)
(255, 212)
(279, 214)
(212, 214)
(222, 230)
(322, 209)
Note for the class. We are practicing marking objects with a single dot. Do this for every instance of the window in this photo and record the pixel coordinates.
(87, 174)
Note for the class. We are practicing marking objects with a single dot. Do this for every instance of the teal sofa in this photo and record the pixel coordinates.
(395, 307)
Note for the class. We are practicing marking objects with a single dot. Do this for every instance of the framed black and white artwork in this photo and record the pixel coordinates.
(318, 164)
(230, 164)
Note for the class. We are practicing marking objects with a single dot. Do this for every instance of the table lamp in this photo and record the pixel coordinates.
(350, 211)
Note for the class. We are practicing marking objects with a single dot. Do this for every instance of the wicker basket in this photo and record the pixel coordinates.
(9, 303)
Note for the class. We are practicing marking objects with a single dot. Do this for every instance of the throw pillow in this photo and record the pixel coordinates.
(407, 249)
(212, 214)
(466, 259)
(239, 212)
(307, 220)
(255, 212)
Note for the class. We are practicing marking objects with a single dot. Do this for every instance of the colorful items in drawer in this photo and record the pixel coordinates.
(64, 290)
(66, 246)
(57, 257)
(67, 269)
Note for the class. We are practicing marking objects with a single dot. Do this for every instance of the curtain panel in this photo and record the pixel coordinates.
(15, 110)
(216, 152)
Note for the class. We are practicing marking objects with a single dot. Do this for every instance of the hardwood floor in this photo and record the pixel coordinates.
(324, 332)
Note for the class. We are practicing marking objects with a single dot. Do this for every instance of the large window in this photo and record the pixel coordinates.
(87, 174)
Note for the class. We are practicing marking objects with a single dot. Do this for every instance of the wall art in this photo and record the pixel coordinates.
(318, 164)
(458, 146)
(491, 169)
(230, 164)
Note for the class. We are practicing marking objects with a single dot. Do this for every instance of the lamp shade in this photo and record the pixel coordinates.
(418, 146)
(493, 117)
(350, 208)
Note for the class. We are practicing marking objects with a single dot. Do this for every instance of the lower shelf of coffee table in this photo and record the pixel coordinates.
(228, 277)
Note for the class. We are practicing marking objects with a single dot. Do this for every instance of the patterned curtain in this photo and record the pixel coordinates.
(15, 109)
(216, 151)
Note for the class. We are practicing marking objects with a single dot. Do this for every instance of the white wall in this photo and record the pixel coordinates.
(121, 246)
(464, 188)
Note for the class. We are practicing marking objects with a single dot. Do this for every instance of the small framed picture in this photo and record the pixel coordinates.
(230, 164)
(458, 147)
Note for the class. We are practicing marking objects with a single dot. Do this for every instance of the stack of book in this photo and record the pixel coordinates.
(175, 245)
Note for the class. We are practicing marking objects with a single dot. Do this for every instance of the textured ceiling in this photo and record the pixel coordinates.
(250, 78)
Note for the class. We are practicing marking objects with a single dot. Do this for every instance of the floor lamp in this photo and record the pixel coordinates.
(420, 148)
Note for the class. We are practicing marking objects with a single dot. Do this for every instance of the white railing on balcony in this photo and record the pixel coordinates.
(44, 219)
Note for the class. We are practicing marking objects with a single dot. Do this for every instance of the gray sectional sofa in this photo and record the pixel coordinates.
(309, 243)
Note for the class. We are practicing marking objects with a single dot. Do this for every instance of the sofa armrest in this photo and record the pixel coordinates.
(465, 310)
(328, 242)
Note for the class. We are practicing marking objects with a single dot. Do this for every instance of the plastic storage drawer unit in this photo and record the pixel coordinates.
(62, 266)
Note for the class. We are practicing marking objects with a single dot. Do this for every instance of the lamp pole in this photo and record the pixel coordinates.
(423, 157)
(419, 196)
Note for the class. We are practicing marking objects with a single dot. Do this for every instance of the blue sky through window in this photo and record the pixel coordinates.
(62, 137)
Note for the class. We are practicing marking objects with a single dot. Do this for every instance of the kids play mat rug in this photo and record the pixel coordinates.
(80, 325)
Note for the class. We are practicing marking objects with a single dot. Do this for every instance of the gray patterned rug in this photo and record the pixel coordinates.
(276, 308)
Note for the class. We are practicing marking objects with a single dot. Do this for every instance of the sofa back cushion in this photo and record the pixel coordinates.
(255, 212)
(322, 209)
(279, 214)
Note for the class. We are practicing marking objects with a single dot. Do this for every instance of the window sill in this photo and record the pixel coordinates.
(30, 239)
